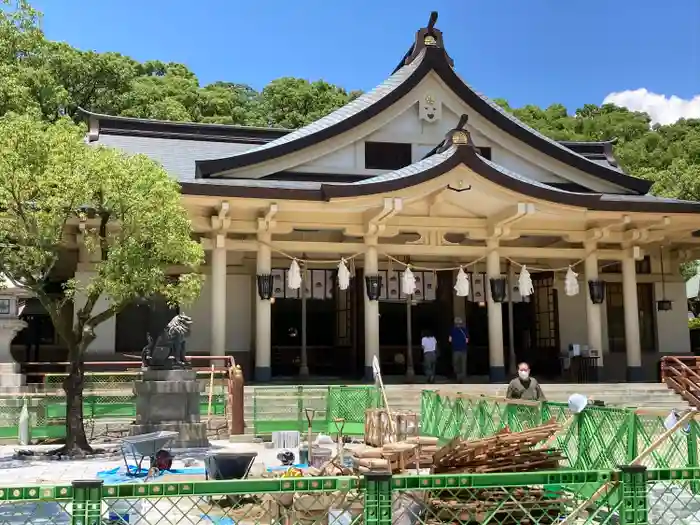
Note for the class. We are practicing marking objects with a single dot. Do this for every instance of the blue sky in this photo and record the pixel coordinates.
(527, 51)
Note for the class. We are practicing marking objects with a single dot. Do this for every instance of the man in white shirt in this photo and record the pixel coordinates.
(429, 344)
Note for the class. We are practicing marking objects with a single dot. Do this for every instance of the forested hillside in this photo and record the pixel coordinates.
(53, 79)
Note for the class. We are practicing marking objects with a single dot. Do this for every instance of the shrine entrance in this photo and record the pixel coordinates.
(317, 318)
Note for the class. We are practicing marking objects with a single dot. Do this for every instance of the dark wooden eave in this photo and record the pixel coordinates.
(437, 60)
(450, 157)
(111, 125)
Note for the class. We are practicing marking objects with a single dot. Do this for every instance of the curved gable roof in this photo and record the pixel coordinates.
(457, 150)
(426, 55)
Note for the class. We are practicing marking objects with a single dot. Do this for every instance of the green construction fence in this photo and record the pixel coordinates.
(599, 437)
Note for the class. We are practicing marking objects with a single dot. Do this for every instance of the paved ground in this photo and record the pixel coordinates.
(36, 470)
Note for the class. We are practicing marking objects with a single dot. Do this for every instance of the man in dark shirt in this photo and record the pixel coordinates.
(459, 339)
(525, 387)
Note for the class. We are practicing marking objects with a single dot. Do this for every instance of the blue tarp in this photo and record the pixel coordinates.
(119, 475)
(285, 468)
(218, 521)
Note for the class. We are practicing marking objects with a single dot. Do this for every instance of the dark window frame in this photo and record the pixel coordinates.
(388, 155)
(485, 151)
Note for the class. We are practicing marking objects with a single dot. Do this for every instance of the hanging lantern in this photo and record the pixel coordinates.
(571, 283)
(525, 282)
(294, 276)
(408, 282)
(373, 285)
(462, 284)
(596, 289)
(343, 275)
(498, 289)
(264, 286)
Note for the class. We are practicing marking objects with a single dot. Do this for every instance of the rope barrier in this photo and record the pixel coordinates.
(390, 258)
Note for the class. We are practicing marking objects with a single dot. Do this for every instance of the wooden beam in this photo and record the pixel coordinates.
(499, 225)
(455, 252)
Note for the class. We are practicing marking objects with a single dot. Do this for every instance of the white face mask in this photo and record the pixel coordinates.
(523, 374)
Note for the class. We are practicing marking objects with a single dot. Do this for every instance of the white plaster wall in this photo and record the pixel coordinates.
(572, 316)
(105, 333)
(239, 317)
(672, 327)
(344, 159)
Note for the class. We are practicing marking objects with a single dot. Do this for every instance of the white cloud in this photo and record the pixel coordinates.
(661, 109)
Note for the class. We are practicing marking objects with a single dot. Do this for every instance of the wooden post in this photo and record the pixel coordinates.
(237, 401)
(211, 394)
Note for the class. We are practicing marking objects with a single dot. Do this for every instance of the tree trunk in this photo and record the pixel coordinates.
(76, 440)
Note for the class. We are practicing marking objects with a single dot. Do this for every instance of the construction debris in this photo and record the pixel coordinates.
(415, 452)
(505, 451)
(382, 426)
(504, 506)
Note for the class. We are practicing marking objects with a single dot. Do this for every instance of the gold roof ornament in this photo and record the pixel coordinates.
(460, 137)
(429, 40)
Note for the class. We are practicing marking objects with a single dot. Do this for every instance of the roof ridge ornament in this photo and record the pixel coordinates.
(458, 136)
(428, 36)
(608, 152)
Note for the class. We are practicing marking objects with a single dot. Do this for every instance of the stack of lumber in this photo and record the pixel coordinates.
(396, 457)
(496, 505)
(426, 448)
(504, 452)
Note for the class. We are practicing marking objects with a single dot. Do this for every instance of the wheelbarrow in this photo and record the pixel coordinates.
(144, 446)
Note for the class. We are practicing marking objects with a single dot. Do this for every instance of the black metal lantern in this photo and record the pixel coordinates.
(498, 289)
(664, 305)
(596, 289)
(265, 286)
(373, 285)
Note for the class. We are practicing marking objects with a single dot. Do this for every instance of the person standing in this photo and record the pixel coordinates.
(525, 387)
(429, 344)
(459, 339)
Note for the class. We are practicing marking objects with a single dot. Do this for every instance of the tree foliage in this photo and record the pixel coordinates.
(54, 187)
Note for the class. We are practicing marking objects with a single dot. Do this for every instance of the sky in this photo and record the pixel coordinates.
(643, 54)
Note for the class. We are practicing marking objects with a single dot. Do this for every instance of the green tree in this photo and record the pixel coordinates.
(53, 187)
(229, 103)
(294, 102)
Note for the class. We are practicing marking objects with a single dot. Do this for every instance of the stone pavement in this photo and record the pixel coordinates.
(42, 470)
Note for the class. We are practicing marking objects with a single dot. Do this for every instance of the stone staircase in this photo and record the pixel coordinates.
(648, 395)
(407, 397)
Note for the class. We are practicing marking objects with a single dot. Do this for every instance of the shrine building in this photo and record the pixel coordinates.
(422, 172)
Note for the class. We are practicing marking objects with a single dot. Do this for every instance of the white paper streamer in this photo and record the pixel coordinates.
(294, 276)
(525, 282)
(462, 283)
(571, 283)
(343, 275)
(408, 282)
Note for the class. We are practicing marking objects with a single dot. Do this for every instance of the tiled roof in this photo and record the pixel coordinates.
(178, 156)
(356, 106)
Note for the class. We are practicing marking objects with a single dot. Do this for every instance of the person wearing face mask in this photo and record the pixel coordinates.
(524, 386)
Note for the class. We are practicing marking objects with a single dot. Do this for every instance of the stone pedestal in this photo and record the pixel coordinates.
(169, 400)
(10, 378)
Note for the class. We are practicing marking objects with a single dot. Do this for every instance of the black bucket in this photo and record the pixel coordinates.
(229, 465)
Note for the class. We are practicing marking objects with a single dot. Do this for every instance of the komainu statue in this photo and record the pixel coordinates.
(167, 352)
